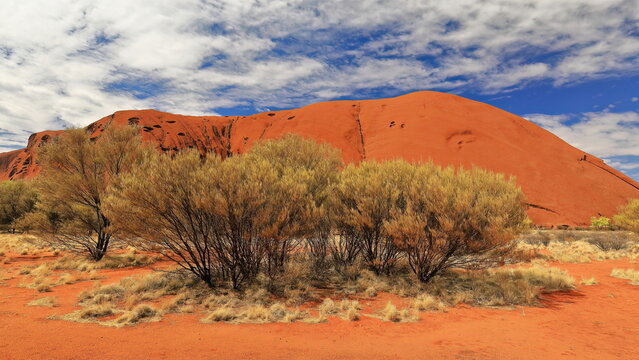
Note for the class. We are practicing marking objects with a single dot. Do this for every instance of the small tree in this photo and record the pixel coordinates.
(316, 167)
(162, 206)
(364, 199)
(628, 217)
(17, 198)
(600, 223)
(456, 218)
(255, 210)
(77, 172)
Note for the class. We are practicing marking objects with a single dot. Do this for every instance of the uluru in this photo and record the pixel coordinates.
(563, 185)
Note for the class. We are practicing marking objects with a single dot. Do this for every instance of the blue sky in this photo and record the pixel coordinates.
(570, 66)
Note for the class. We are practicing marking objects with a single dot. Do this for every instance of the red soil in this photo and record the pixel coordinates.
(593, 322)
(564, 185)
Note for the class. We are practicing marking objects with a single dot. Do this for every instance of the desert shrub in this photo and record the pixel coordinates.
(364, 200)
(223, 220)
(585, 251)
(628, 217)
(260, 209)
(611, 240)
(316, 166)
(600, 223)
(161, 206)
(579, 246)
(17, 198)
(207, 216)
(576, 252)
(536, 237)
(76, 174)
(456, 218)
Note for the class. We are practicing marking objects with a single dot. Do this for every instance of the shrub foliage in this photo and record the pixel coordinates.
(628, 217)
(77, 171)
(227, 220)
(456, 218)
(17, 198)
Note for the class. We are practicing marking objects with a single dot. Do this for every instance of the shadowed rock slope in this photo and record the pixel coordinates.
(563, 184)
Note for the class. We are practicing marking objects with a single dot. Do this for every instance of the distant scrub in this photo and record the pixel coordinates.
(600, 223)
(17, 198)
(629, 274)
(628, 217)
(580, 246)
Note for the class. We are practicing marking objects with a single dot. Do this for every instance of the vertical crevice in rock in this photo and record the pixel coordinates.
(229, 132)
(361, 132)
(264, 130)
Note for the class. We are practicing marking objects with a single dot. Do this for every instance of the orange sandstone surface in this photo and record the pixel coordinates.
(563, 185)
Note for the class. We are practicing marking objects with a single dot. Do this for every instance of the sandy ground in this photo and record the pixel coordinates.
(593, 322)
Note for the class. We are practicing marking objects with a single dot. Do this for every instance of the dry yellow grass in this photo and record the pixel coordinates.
(628, 274)
(351, 315)
(137, 314)
(327, 307)
(391, 313)
(220, 314)
(95, 313)
(48, 301)
(266, 301)
(21, 244)
(44, 278)
(112, 261)
(589, 281)
(499, 287)
(582, 246)
(426, 302)
(257, 314)
(370, 291)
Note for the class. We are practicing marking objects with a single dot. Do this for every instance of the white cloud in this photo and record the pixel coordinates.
(603, 134)
(59, 59)
(623, 165)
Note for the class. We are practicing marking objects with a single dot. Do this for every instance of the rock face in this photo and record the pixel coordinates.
(563, 185)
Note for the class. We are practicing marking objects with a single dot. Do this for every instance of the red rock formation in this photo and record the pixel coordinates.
(563, 184)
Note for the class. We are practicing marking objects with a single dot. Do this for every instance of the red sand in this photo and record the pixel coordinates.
(564, 185)
(593, 322)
